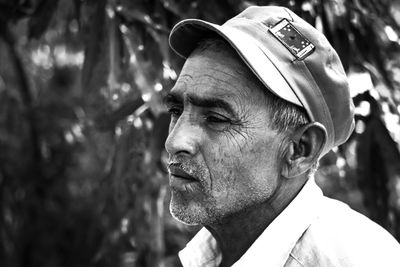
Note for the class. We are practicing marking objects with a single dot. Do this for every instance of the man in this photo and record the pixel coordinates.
(259, 100)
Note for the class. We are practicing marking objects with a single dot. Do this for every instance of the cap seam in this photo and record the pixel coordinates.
(325, 107)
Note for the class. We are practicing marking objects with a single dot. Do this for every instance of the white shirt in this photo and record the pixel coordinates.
(313, 230)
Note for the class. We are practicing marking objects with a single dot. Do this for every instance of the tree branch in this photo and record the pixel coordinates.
(24, 88)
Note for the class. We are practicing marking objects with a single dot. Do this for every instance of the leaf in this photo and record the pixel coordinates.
(109, 121)
(378, 160)
(334, 15)
(129, 16)
(145, 66)
(215, 11)
(14, 10)
(41, 18)
(101, 68)
(182, 9)
(94, 31)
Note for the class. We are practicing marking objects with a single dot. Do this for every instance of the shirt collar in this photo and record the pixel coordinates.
(273, 246)
(202, 251)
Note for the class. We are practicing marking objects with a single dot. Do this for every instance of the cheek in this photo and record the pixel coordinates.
(221, 163)
(253, 164)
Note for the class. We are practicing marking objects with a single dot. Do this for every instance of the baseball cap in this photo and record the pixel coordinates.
(289, 56)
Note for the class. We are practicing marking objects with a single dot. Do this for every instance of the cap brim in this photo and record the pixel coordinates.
(186, 35)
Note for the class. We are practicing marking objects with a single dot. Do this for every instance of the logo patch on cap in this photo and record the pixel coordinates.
(292, 39)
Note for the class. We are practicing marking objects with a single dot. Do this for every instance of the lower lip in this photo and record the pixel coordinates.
(182, 184)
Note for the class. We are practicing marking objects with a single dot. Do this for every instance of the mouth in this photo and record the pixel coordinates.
(181, 180)
(178, 172)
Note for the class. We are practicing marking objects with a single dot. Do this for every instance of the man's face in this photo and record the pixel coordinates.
(223, 156)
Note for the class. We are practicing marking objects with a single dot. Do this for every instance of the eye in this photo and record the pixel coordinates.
(217, 118)
(175, 111)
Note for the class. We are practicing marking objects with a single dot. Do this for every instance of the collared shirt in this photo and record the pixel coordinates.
(313, 230)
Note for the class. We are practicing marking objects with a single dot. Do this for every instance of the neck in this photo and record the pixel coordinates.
(237, 233)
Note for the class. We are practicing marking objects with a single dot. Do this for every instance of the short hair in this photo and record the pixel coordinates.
(284, 116)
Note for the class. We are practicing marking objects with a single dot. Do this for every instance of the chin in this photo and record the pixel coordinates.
(183, 215)
(187, 211)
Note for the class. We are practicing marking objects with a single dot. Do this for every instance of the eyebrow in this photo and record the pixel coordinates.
(204, 102)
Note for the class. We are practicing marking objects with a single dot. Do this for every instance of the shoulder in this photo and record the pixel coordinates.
(340, 236)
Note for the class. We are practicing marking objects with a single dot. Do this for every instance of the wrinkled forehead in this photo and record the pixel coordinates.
(218, 73)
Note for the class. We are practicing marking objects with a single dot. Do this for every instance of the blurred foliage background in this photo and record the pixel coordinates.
(82, 124)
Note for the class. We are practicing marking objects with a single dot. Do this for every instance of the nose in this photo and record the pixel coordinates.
(183, 137)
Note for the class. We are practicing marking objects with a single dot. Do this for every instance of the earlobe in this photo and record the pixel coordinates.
(304, 149)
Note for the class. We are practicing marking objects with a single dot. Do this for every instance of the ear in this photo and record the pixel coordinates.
(304, 149)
